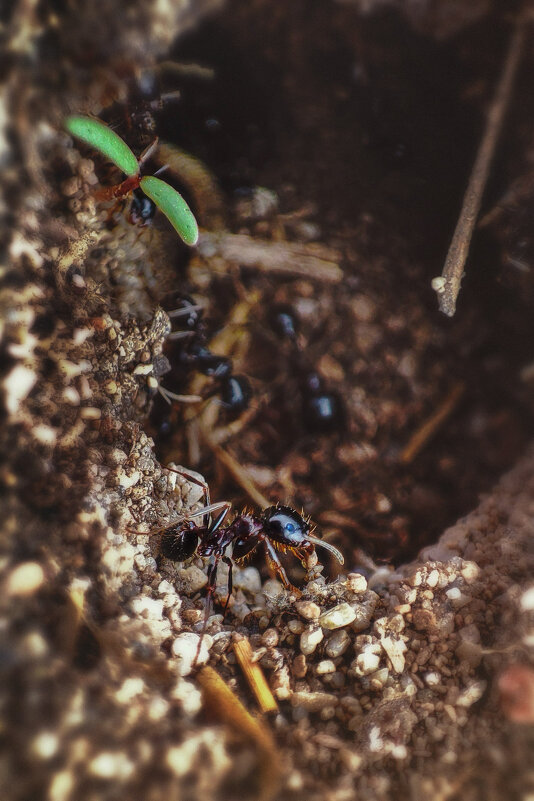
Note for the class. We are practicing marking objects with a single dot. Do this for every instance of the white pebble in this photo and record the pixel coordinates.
(432, 678)
(337, 644)
(45, 745)
(192, 579)
(308, 609)
(527, 600)
(324, 667)
(25, 579)
(433, 578)
(248, 579)
(111, 765)
(17, 386)
(338, 616)
(310, 639)
(185, 647)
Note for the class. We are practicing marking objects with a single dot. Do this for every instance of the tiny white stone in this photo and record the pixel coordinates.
(25, 579)
(527, 600)
(111, 765)
(129, 689)
(310, 639)
(309, 610)
(337, 644)
(366, 662)
(438, 284)
(185, 647)
(45, 745)
(192, 579)
(433, 578)
(248, 579)
(272, 588)
(129, 481)
(17, 385)
(324, 667)
(338, 616)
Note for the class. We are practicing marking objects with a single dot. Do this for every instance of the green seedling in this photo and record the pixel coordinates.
(168, 200)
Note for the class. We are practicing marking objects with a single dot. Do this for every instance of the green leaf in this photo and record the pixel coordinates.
(95, 133)
(173, 206)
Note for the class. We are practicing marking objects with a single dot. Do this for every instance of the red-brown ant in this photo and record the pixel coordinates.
(277, 528)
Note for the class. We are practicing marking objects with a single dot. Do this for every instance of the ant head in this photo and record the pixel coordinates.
(288, 529)
(285, 526)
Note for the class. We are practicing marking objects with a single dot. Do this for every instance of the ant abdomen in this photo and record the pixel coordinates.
(179, 542)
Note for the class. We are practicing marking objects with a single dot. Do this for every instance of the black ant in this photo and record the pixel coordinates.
(277, 528)
(322, 409)
(234, 391)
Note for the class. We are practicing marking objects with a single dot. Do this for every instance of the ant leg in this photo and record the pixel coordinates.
(185, 311)
(180, 335)
(228, 561)
(212, 582)
(226, 505)
(194, 480)
(275, 564)
(170, 396)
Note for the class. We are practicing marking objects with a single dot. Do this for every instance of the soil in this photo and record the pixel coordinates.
(325, 151)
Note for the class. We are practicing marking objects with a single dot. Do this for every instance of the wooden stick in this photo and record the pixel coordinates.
(430, 427)
(254, 676)
(238, 473)
(221, 703)
(312, 261)
(447, 286)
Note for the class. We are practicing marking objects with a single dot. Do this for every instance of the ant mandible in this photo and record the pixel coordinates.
(277, 528)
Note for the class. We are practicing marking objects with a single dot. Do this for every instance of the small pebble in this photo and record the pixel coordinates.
(338, 616)
(184, 648)
(310, 639)
(356, 582)
(248, 579)
(365, 663)
(25, 579)
(299, 667)
(295, 626)
(192, 579)
(314, 701)
(269, 638)
(308, 610)
(325, 666)
(337, 644)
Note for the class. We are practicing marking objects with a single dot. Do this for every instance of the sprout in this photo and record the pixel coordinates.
(94, 133)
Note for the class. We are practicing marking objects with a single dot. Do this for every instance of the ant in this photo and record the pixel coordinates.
(322, 409)
(234, 390)
(276, 528)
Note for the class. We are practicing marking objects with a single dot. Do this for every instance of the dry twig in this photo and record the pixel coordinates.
(254, 676)
(447, 286)
(312, 261)
(226, 707)
(429, 428)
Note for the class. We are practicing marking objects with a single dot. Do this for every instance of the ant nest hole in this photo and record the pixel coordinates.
(314, 372)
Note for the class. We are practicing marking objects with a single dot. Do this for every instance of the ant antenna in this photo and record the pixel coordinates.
(327, 546)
